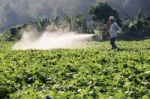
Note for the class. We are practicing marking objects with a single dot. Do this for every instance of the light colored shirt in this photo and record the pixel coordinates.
(113, 30)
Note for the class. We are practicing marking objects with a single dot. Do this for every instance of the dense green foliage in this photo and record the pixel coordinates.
(95, 72)
(13, 33)
(102, 12)
(138, 27)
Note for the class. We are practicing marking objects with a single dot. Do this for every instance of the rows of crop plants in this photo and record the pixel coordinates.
(95, 72)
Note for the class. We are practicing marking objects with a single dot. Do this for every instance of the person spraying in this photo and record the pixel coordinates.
(113, 30)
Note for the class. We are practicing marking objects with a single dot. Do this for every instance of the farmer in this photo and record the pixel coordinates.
(113, 29)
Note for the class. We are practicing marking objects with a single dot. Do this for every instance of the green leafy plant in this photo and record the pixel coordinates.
(93, 72)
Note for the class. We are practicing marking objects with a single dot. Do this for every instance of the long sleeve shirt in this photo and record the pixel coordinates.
(113, 30)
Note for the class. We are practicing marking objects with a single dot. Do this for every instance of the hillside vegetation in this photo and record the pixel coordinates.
(137, 27)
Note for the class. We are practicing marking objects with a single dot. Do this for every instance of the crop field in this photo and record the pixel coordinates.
(95, 72)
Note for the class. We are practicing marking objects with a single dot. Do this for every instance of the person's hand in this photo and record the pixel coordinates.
(120, 31)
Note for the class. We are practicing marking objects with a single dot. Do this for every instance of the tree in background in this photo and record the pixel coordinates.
(102, 12)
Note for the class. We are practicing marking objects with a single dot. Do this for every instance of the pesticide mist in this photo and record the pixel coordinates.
(51, 40)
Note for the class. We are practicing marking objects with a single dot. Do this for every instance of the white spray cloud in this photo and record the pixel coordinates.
(51, 40)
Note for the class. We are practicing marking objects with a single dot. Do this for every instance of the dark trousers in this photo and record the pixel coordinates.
(112, 42)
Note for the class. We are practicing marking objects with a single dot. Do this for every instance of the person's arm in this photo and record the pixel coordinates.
(117, 26)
